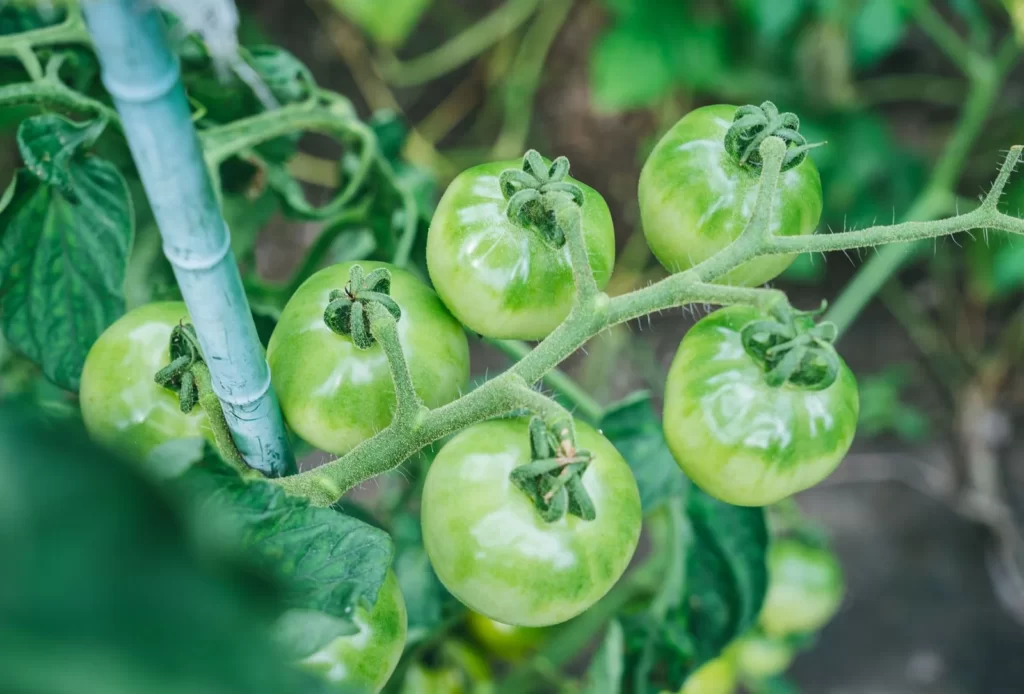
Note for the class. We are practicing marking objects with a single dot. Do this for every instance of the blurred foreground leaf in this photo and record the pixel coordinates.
(102, 590)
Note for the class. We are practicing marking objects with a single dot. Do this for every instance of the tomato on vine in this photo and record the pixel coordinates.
(454, 668)
(336, 388)
(698, 187)
(496, 254)
(367, 658)
(804, 591)
(757, 407)
(122, 405)
(760, 657)
(717, 676)
(505, 641)
(507, 533)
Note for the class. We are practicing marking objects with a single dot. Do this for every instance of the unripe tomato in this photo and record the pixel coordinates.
(804, 591)
(122, 406)
(714, 677)
(740, 439)
(760, 657)
(489, 545)
(506, 641)
(366, 659)
(500, 279)
(696, 198)
(335, 395)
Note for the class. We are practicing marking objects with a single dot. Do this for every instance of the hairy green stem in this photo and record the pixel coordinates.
(594, 311)
(585, 406)
(937, 198)
(52, 94)
(210, 403)
(384, 328)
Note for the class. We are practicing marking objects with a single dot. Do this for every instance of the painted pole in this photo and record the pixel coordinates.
(142, 75)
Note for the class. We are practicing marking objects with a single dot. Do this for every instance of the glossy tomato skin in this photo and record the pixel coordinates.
(759, 657)
(695, 199)
(738, 438)
(501, 280)
(367, 659)
(505, 641)
(122, 406)
(714, 677)
(492, 550)
(335, 395)
(805, 589)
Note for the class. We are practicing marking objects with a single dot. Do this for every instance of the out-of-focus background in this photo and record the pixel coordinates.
(935, 601)
(917, 100)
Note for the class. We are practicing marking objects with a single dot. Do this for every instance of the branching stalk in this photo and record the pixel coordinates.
(594, 311)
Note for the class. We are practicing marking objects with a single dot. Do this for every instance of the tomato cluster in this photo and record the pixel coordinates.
(528, 528)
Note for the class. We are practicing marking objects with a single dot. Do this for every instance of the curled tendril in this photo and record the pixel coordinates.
(177, 376)
(536, 192)
(346, 312)
(752, 125)
(553, 478)
(794, 348)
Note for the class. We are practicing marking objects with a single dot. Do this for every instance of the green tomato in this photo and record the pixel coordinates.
(506, 641)
(741, 440)
(696, 199)
(804, 591)
(367, 658)
(759, 657)
(500, 279)
(122, 406)
(458, 670)
(335, 395)
(714, 677)
(489, 545)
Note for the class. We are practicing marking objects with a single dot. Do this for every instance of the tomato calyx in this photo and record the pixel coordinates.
(178, 375)
(752, 125)
(554, 478)
(348, 313)
(536, 193)
(793, 348)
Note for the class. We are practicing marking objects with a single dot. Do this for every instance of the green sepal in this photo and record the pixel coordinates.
(793, 349)
(535, 193)
(188, 394)
(752, 125)
(552, 481)
(177, 376)
(346, 312)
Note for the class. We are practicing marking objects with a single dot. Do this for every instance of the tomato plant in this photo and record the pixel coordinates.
(805, 589)
(493, 550)
(334, 393)
(511, 278)
(699, 185)
(751, 429)
(526, 516)
(367, 658)
(122, 404)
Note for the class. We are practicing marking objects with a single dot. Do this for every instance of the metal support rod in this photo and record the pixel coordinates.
(142, 75)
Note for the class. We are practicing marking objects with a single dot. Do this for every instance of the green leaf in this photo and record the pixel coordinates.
(288, 78)
(604, 676)
(635, 430)
(104, 591)
(726, 573)
(63, 263)
(425, 597)
(629, 68)
(49, 142)
(328, 561)
(304, 632)
(883, 408)
(876, 30)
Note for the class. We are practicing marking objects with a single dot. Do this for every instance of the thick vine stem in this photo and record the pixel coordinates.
(592, 313)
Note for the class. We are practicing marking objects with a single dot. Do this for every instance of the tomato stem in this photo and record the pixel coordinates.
(593, 312)
(211, 405)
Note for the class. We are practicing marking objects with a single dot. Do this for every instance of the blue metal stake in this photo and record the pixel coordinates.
(142, 75)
